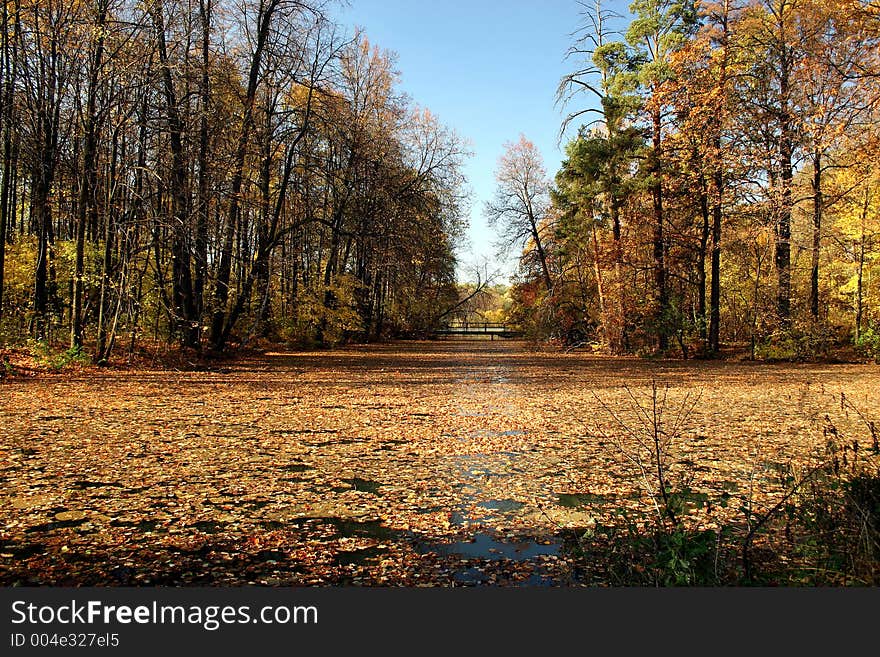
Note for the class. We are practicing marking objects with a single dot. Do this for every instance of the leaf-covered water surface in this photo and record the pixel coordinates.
(425, 463)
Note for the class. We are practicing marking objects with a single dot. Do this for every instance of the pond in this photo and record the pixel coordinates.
(444, 463)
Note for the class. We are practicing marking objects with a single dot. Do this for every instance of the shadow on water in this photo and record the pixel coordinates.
(361, 556)
(501, 505)
(349, 528)
(484, 559)
(480, 558)
(575, 500)
(481, 552)
(360, 485)
(484, 546)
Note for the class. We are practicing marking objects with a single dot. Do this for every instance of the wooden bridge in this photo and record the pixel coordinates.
(491, 329)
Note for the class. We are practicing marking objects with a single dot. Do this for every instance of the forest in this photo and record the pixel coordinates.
(213, 172)
(723, 186)
(201, 172)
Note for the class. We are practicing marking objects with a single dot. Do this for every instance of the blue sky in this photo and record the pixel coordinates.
(489, 70)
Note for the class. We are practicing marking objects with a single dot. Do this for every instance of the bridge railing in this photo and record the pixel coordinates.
(476, 327)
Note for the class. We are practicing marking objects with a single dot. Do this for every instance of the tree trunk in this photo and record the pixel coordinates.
(267, 239)
(662, 316)
(6, 117)
(861, 269)
(714, 337)
(817, 234)
(786, 175)
(185, 320)
(201, 245)
(617, 336)
(600, 288)
(105, 336)
(715, 290)
(88, 176)
(545, 270)
(702, 313)
(542, 256)
(783, 239)
(221, 289)
(43, 216)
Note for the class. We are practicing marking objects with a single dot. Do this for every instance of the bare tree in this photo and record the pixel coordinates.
(522, 200)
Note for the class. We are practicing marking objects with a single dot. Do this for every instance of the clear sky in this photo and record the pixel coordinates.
(488, 69)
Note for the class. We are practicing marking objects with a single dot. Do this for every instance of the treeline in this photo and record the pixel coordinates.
(724, 185)
(210, 171)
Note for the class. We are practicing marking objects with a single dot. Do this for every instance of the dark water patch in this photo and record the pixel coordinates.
(209, 526)
(362, 485)
(429, 509)
(270, 555)
(489, 433)
(295, 480)
(475, 471)
(343, 441)
(146, 526)
(302, 431)
(470, 576)
(574, 500)
(539, 579)
(388, 445)
(694, 466)
(484, 546)
(501, 505)
(296, 467)
(359, 557)
(25, 551)
(473, 576)
(56, 524)
(348, 528)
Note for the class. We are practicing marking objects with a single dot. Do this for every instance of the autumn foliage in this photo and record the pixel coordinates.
(722, 186)
(215, 172)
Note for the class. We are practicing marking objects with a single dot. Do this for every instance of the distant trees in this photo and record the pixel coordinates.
(718, 140)
(208, 172)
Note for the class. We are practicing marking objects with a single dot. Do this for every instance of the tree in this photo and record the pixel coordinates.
(767, 98)
(49, 57)
(836, 48)
(522, 199)
(701, 94)
(9, 68)
(87, 202)
(595, 179)
(659, 29)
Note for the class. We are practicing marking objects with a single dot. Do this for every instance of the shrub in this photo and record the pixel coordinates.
(868, 343)
(802, 341)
